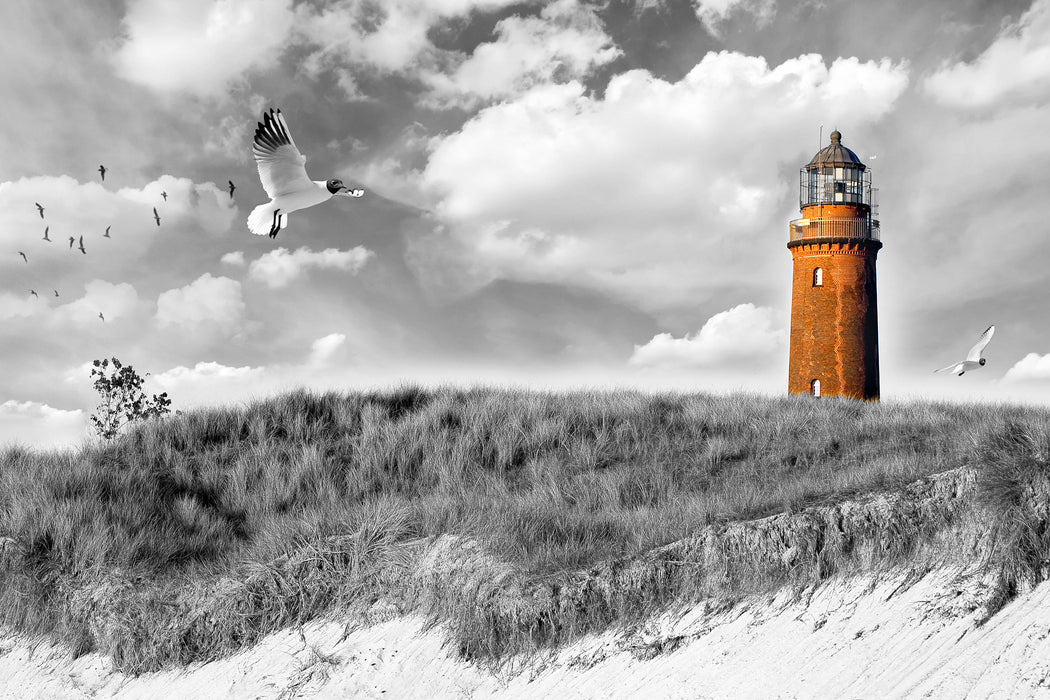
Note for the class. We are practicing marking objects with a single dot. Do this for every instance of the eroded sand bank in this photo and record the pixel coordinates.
(888, 635)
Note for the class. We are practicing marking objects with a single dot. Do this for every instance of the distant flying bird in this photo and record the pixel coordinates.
(71, 242)
(106, 234)
(23, 256)
(102, 170)
(56, 292)
(231, 188)
(39, 209)
(101, 316)
(82, 246)
(164, 195)
(973, 358)
(156, 215)
(284, 178)
(33, 292)
(46, 229)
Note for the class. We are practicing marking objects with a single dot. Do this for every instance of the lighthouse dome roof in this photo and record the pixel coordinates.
(835, 154)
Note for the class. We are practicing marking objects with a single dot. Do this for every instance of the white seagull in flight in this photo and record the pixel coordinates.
(973, 358)
(284, 178)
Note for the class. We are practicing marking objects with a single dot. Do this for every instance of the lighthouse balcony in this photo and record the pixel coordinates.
(827, 228)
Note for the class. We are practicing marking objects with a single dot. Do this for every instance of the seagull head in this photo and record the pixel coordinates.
(337, 188)
(982, 361)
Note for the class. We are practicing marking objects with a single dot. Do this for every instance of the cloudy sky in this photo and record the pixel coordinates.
(559, 194)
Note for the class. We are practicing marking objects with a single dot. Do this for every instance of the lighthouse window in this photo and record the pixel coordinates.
(818, 277)
(840, 191)
(814, 388)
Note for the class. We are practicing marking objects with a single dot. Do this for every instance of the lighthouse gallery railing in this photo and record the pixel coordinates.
(834, 228)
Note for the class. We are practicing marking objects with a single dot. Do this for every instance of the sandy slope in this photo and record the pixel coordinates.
(870, 637)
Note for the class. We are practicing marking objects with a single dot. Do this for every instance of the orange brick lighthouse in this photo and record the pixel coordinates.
(834, 322)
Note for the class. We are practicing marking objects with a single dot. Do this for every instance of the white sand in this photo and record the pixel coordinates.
(861, 638)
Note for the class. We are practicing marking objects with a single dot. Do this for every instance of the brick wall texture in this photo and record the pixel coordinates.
(834, 327)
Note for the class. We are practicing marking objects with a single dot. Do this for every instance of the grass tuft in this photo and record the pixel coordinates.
(1014, 487)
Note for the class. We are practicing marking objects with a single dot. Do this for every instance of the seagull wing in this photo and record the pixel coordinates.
(975, 352)
(953, 368)
(280, 162)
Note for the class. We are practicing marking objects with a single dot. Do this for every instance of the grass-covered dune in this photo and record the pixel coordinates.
(519, 519)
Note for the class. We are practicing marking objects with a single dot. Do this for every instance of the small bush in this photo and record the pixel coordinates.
(123, 400)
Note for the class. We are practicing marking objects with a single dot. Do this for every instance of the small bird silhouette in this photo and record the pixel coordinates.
(164, 195)
(82, 246)
(101, 316)
(56, 292)
(102, 170)
(23, 256)
(39, 209)
(71, 242)
(46, 229)
(33, 292)
(106, 234)
(231, 188)
(156, 215)
(973, 358)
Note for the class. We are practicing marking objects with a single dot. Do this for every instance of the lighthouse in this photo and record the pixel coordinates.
(834, 347)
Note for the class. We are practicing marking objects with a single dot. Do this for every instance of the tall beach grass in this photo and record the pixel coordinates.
(305, 503)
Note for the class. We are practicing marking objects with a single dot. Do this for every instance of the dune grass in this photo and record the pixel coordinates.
(297, 502)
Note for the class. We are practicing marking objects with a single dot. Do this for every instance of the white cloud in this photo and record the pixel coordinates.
(633, 192)
(1030, 367)
(714, 13)
(280, 267)
(35, 424)
(200, 46)
(204, 372)
(564, 43)
(1015, 68)
(206, 300)
(236, 259)
(391, 37)
(743, 333)
(322, 349)
(204, 46)
(207, 383)
(113, 301)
